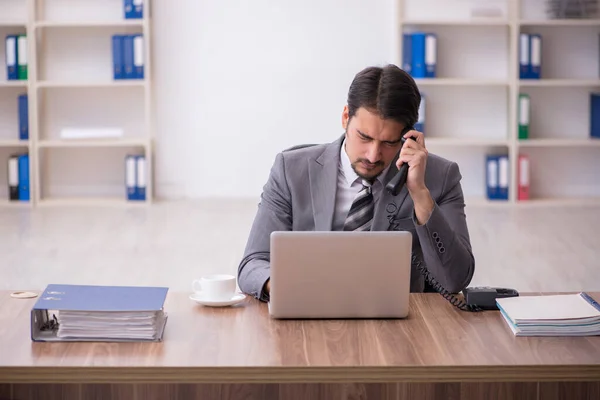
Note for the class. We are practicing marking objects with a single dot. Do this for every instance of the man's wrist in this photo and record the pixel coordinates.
(424, 205)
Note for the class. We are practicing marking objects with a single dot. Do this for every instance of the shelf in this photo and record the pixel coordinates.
(91, 202)
(560, 202)
(461, 142)
(13, 84)
(536, 202)
(89, 85)
(14, 204)
(89, 24)
(58, 143)
(559, 142)
(473, 22)
(561, 22)
(14, 143)
(11, 24)
(459, 82)
(484, 202)
(559, 82)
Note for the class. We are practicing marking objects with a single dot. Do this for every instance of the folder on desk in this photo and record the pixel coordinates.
(551, 315)
(83, 313)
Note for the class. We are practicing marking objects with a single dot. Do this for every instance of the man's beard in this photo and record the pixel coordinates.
(363, 176)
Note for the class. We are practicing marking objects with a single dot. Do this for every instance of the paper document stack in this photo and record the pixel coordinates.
(551, 315)
(99, 313)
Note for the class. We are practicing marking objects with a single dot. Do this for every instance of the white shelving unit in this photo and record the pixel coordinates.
(472, 103)
(70, 84)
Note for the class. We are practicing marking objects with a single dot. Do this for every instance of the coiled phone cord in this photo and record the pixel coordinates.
(455, 301)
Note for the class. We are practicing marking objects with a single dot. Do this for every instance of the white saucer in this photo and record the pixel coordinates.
(238, 297)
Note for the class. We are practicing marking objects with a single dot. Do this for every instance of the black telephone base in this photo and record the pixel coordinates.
(485, 297)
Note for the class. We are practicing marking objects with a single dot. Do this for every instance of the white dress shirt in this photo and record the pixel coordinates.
(348, 186)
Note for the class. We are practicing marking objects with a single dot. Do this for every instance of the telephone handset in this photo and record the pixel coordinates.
(395, 184)
(476, 299)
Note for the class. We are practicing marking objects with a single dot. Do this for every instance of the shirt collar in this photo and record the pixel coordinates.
(346, 167)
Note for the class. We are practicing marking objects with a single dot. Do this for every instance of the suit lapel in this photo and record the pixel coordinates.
(388, 206)
(322, 174)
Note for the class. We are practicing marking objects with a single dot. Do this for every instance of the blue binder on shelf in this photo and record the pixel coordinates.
(595, 115)
(128, 72)
(418, 55)
(24, 191)
(140, 182)
(535, 57)
(407, 53)
(430, 55)
(23, 117)
(12, 68)
(133, 9)
(503, 177)
(117, 57)
(99, 313)
(491, 171)
(524, 56)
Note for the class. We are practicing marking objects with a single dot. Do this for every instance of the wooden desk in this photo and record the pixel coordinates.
(239, 352)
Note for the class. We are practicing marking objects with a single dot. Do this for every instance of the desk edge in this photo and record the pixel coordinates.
(451, 373)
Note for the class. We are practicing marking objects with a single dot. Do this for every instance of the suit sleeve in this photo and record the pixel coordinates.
(444, 238)
(274, 214)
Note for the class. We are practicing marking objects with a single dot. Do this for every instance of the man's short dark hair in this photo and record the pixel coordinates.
(388, 92)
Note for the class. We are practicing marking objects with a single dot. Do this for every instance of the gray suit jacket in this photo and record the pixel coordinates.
(300, 195)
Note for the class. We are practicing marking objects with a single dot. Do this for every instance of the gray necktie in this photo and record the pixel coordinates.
(360, 215)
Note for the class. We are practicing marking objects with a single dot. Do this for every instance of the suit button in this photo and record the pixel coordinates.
(442, 250)
(440, 245)
(435, 235)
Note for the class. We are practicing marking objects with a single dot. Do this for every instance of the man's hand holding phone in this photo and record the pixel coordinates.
(414, 153)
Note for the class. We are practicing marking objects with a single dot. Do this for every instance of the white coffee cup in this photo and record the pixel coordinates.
(217, 287)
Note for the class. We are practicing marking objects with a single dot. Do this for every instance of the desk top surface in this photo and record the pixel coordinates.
(244, 343)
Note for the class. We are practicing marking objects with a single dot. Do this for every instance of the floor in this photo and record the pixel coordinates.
(173, 243)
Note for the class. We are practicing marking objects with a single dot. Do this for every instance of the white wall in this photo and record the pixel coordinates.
(237, 81)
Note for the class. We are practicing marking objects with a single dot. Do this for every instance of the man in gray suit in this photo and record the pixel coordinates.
(341, 186)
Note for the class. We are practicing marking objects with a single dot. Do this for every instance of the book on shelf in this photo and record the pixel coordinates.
(18, 177)
(419, 54)
(16, 57)
(497, 176)
(135, 177)
(99, 313)
(23, 110)
(530, 56)
(133, 9)
(551, 315)
(523, 177)
(524, 115)
(595, 115)
(128, 56)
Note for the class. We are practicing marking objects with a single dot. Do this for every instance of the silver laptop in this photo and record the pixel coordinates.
(336, 274)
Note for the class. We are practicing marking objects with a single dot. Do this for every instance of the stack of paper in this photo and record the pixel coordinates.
(99, 313)
(551, 315)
